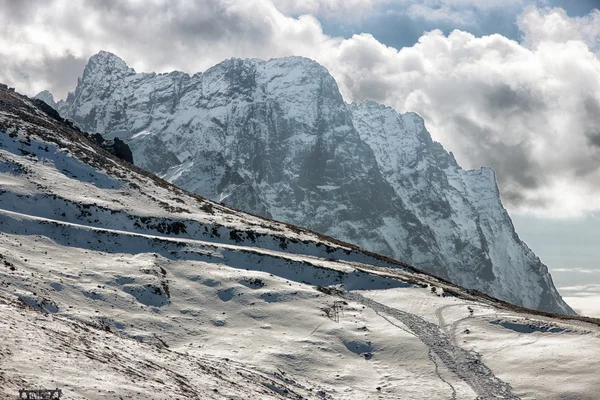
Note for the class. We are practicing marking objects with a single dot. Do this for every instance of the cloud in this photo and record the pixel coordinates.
(576, 270)
(588, 289)
(555, 26)
(588, 306)
(329, 8)
(584, 298)
(529, 109)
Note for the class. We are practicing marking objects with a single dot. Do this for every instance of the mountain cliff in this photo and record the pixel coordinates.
(275, 138)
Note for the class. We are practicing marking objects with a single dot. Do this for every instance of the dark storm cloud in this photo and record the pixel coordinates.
(592, 109)
(209, 19)
(519, 170)
(502, 98)
(514, 196)
(594, 138)
(18, 10)
(63, 71)
(513, 163)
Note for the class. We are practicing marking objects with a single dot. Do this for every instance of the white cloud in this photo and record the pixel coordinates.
(583, 298)
(530, 110)
(588, 306)
(582, 290)
(576, 270)
(553, 25)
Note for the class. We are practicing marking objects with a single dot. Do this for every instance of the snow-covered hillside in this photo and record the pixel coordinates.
(275, 138)
(115, 284)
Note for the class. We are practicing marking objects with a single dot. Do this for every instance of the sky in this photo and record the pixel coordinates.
(511, 84)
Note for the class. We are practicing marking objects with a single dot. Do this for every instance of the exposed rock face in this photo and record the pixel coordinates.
(116, 147)
(275, 138)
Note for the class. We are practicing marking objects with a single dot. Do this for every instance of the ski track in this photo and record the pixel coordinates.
(464, 364)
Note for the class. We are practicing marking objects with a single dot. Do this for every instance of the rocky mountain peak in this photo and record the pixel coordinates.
(107, 63)
(47, 98)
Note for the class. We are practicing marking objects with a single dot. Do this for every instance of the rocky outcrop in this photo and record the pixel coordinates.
(116, 147)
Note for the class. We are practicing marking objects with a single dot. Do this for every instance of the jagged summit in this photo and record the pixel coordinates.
(103, 68)
(107, 62)
(47, 98)
(284, 144)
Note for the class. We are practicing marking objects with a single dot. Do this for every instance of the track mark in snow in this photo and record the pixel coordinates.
(440, 316)
(431, 357)
(452, 331)
(454, 326)
(464, 364)
(430, 354)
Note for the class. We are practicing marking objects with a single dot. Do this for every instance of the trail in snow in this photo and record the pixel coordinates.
(439, 375)
(430, 354)
(451, 333)
(464, 364)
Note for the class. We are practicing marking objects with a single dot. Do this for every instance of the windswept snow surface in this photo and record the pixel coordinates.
(275, 138)
(115, 285)
(50, 351)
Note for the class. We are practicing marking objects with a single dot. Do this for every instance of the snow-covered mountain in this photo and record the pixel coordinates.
(275, 138)
(115, 284)
(47, 98)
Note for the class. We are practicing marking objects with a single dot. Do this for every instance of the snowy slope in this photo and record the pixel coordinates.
(90, 363)
(115, 284)
(275, 138)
